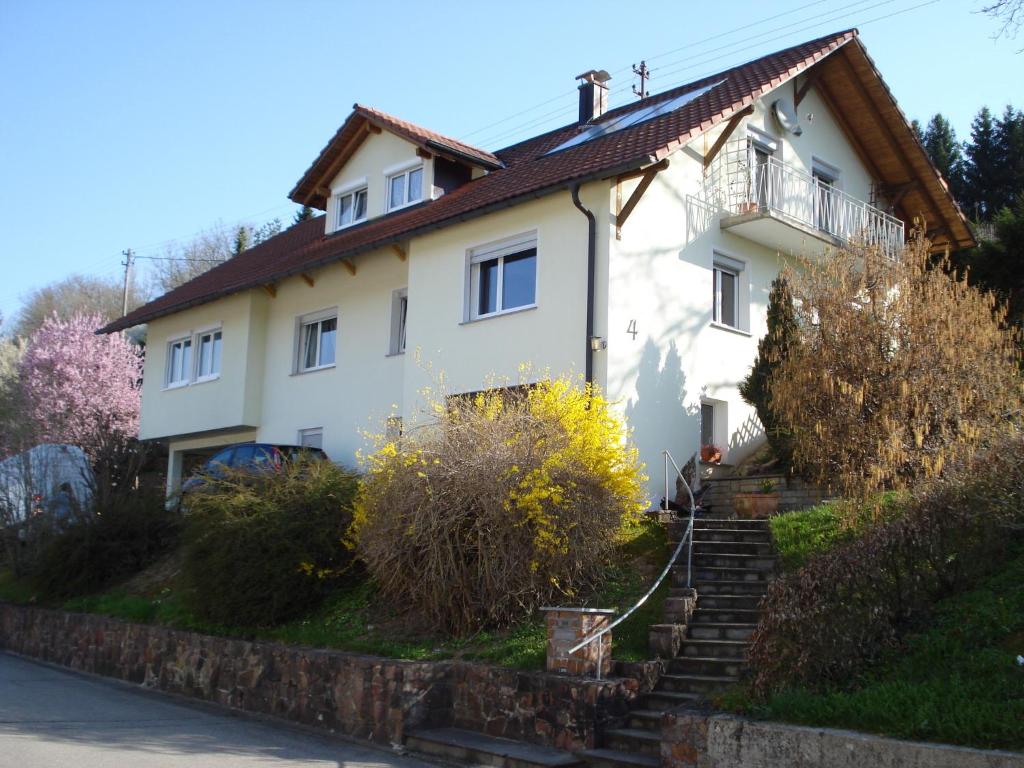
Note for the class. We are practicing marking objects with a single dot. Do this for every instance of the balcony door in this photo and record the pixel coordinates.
(826, 208)
(760, 149)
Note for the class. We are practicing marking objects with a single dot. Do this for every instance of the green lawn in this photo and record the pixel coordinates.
(801, 535)
(354, 619)
(956, 681)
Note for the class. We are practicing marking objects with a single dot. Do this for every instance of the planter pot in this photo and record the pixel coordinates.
(755, 506)
(748, 207)
(710, 454)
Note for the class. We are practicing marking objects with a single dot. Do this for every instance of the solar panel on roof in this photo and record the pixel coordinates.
(636, 117)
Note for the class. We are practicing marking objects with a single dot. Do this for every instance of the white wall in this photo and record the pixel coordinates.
(661, 285)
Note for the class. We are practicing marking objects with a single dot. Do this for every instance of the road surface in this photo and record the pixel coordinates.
(50, 718)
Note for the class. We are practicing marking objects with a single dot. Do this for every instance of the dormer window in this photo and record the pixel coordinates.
(351, 207)
(405, 188)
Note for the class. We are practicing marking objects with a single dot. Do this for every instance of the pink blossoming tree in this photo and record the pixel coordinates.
(84, 389)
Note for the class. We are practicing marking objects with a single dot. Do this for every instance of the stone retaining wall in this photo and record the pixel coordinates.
(794, 493)
(362, 696)
(693, 740)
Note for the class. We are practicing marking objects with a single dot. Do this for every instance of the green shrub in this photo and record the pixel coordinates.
(262, 550)
(512, 499)
(828, 621)
(117, 542)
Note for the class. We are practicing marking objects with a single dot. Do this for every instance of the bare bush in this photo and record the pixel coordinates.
(512, 499)
(900, 368)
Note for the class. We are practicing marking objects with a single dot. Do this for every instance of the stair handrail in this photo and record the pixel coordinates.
(686, 539)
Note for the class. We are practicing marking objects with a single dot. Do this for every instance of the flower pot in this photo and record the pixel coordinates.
(755, 506)
(710, 454)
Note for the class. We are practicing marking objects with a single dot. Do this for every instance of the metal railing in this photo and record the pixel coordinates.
(686, 540)
(749, 182)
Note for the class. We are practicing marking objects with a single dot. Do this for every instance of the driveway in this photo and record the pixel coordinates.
(55, 719)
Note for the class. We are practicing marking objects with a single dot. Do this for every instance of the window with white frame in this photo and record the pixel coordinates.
(179, 362)
(728, 292)
(317, 338)
(503, 277)
(405, 187)
(351, 207)
(312, 437)
(399, 313)
(209, 349)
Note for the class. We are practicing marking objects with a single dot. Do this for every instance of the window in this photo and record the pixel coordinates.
(825, 178)
(729, 293)
(312, 437)
(399, 313)
(179, 362)
(405, 188)
(707, 424)
(317, 339)
(209, 355)
(503, 277)
(351, 207)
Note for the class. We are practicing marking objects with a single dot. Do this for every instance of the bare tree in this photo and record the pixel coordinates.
(74, 295)
(1009, 14)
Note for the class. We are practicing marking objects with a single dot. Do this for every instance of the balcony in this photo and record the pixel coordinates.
(777, 205)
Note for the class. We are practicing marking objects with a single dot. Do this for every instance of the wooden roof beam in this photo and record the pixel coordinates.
(645, 182)
(893, 140)
(270, 289)
(809, 80)
(346, 152)
(350, 266)
(399, 251)
(734, 122)
(308, 279)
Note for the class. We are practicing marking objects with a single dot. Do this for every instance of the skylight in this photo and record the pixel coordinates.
(636, 117)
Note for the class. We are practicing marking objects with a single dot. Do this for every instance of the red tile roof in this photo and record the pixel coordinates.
(527, 173)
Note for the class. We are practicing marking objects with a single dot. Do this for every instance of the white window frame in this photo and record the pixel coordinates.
(186, 372)
(197, 347)
(741, 301)
(311, 432)
(351, 192)
(301, 323)
(404, 170)
(399, 321)
(498, 250)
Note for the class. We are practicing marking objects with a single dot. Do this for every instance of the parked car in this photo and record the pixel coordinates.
(248, 458)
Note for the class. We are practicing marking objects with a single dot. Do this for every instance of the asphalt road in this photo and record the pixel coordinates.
(55, 719)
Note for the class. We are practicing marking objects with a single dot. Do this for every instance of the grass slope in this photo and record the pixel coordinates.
(956, 681)
(354, 619)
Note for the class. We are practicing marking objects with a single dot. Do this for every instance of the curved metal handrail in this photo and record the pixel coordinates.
(686, 539)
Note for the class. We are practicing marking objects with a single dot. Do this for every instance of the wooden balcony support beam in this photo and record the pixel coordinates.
(646, 180)
(733, 123)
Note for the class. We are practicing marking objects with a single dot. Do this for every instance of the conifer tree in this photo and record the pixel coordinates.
(772, 349)
(982, 168)
(940, 143)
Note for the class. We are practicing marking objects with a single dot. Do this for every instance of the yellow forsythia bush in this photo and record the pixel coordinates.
(512, 499)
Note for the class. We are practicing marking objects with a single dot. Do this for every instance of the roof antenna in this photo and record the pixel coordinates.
(644, 74)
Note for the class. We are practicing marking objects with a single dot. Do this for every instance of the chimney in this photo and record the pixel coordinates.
(593, 94)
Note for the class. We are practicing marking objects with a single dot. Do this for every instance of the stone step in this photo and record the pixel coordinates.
(479, 749)
(702, 684)
(736, 560)
(664, 700)
(648, 719)
(716, 573)
(739, 602)
(725, 616)
(735, 523)
(731, 534)
(706, 587)
(720, 631)
(706, 665)
(634, 740)
(613, 758)
(730, 546)
(721, 649)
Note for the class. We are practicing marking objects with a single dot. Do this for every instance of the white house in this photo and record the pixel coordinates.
(635, 247)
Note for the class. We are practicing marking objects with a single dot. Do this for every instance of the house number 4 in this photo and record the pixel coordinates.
(631, 329)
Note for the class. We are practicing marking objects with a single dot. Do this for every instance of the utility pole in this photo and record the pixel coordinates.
(129, 258)
(644, 74)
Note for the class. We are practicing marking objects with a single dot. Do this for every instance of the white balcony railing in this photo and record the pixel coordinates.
(746, 183)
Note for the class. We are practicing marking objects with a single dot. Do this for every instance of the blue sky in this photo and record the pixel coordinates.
(135, 124)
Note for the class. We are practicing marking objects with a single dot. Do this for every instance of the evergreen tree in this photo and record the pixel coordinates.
(305, 212)
(997, 264)
(1010, 137)
(940, 143)
(772, 349)
(981, 169)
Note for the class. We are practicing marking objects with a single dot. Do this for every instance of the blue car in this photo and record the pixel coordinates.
(249, 458)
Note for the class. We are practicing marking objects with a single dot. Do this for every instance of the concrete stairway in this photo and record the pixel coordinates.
(733, 563)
